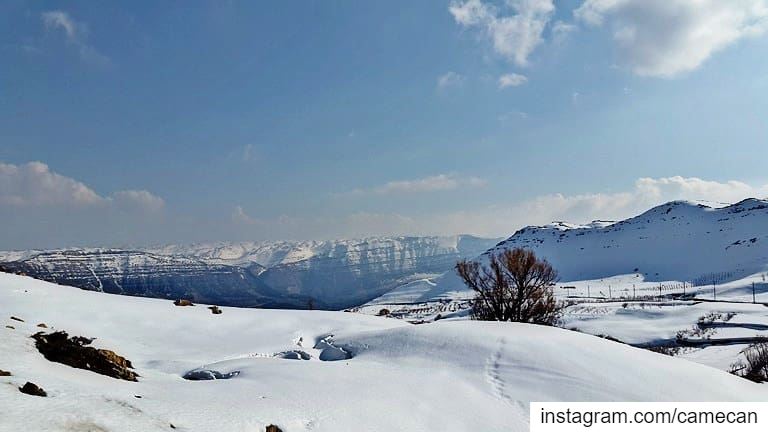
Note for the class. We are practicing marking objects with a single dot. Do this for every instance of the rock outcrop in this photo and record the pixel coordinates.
(74, 351)
(32, 389)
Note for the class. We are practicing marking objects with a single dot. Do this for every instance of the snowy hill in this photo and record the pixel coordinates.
(378, 384)
(675, 242)
(330, 274)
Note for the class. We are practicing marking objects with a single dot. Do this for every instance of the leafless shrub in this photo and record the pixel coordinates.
(515, 285)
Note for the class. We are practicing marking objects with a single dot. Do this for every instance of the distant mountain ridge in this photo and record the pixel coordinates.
(325, 274)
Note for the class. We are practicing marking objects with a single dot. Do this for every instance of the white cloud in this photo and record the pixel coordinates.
(34, 185)
(664, 38)
(449, 79)
(41, 209)
(514, 30)
(692, 188)
(76, 34)
(61, 20)
(512, 80)
(504, 219)
(437, 183)
(141, 199)
(241, 217)
(561, 30)
(646, 193)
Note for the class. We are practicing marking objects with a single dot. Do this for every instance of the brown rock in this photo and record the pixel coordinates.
(32, 389)
(215, 310)
(183, 302)
(10, 327)
(73, 351)
(4, 373)
(17, 319)
(273, 428)
(42, 325)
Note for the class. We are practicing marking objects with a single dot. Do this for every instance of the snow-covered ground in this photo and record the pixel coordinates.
(658, 323)
(624, 307)
(372, 374)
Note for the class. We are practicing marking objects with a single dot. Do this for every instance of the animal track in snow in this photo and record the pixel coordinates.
(493, 373)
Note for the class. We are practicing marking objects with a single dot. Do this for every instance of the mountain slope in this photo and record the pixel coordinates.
(496, 368)
(327, 274)
(677, 241)
(139, 273)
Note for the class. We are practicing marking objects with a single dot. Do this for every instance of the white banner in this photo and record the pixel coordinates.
(649, 416)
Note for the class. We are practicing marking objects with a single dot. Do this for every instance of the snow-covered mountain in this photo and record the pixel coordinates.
(390, 376)
(677, 241)
(140, 273)
(328, 274)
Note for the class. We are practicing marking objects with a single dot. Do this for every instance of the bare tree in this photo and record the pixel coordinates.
(515, 285)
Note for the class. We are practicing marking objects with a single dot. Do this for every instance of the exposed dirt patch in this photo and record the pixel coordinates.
(215, 310)
(17, 319)
(73, 351)
(4, 373)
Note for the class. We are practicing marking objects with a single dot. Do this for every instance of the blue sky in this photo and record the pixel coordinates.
(153, 122)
